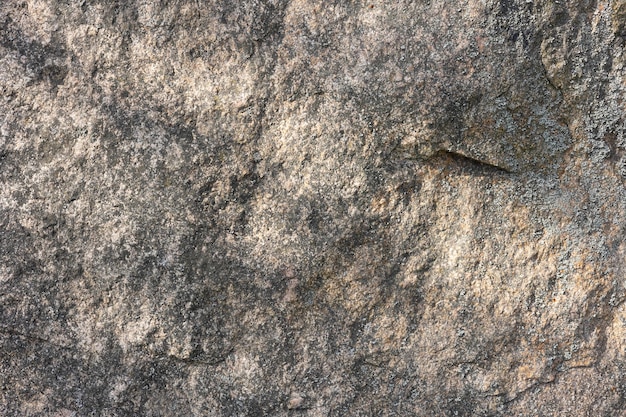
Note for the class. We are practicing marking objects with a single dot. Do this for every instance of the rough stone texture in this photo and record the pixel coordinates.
(312, 208)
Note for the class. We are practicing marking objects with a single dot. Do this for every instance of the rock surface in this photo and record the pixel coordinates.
(312, 208)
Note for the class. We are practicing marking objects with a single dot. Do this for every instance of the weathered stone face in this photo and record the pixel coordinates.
(465, 78)
(315, 208)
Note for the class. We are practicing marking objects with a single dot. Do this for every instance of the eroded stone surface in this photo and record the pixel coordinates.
(312, 208)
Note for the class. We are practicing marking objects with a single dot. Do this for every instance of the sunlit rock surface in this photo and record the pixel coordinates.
(312, 208)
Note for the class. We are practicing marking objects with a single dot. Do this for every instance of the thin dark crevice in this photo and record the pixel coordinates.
(469, 163)
(16, 333)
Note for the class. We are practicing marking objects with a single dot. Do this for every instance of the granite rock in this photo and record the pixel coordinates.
(314, 208)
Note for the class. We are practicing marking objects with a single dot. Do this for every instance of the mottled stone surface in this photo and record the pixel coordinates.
(312, 208)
